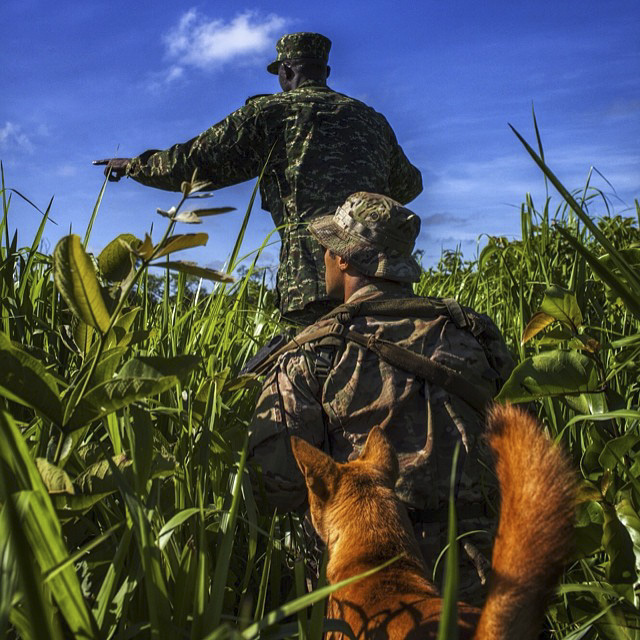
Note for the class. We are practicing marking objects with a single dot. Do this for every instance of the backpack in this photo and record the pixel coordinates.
(332, 335)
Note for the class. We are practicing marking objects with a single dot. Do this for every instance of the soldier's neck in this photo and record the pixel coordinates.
(355, 282)
(300, 80)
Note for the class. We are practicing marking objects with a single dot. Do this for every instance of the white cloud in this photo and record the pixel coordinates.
(11, 135)
(161, 79)
(205, 43)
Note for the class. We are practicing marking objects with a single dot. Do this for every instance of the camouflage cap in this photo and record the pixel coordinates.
(301, 46)
(373, 233)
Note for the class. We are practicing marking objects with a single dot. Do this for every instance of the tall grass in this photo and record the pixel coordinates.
(134, 516)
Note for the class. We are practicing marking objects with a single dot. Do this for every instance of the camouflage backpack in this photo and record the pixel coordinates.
(330, 336)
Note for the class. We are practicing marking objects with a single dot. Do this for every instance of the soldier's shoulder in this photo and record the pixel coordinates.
(258, 97)
(306, 336)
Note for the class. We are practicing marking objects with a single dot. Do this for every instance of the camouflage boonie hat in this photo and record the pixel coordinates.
(301, 46)
(373, 233)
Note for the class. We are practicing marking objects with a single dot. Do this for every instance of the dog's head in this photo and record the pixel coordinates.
(339, 492)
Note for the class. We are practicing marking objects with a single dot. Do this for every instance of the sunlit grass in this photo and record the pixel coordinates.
(140, 520)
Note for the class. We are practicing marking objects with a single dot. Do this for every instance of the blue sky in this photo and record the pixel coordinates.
(87, 80)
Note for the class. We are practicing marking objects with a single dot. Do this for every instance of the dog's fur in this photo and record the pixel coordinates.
(356, 512)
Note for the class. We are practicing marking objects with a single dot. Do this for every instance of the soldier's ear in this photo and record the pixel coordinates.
(319, 470)
(379, 452)
(343, 265)
(328, 71)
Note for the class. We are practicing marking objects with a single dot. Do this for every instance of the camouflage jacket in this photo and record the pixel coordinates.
(321, 146)
(336, 409)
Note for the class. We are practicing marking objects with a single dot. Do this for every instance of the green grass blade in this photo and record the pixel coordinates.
(104, 598)
(629, 296)
(94, 213)
(41, 617)
(632, 278)
(214, 608)
(32, 252)
(448, 627)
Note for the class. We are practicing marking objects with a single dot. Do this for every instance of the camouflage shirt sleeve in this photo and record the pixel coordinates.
(289, 404)
(227, 153)
(405, 180)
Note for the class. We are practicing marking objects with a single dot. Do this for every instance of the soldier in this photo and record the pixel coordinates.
(364, 364)
(316, 147)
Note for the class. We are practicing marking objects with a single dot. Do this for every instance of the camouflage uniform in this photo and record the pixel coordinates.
(332, 394)
(319, 146)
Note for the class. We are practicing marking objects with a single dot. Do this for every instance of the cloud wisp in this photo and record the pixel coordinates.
(13, 137)
(207, 44)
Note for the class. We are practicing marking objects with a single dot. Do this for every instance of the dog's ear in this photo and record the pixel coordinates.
(319, 470)
(379, 452)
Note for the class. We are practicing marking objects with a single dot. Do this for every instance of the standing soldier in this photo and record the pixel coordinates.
(423, 369)
(316, 146)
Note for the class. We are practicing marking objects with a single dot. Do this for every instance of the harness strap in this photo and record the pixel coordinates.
(398, 307)
(400, 357)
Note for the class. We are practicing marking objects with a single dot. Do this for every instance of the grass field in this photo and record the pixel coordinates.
(126, 509)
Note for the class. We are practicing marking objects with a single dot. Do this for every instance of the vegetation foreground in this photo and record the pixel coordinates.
(126, 508)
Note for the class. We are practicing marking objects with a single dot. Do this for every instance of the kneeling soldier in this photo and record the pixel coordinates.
(423, 369)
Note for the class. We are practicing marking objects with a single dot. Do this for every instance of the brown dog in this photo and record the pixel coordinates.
(356, 512)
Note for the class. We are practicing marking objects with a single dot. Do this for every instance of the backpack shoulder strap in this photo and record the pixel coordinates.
(415, 307)
(397, 356)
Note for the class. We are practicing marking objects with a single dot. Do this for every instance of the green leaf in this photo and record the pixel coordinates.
(76, 280)
(41, 620)
(55, 479)
(98, 477)
(107, 366)
(145, 250)
(629, 296)
(155, 367)
(83, 335)
(556, 335)
(618, 414)
(587, 403)
(562, 305)
(616, 448)
(25, 380)
(114, 394)
(631, 256)
(97, 481)
(164, 535)
(116, 260)
(536, 324)
(551, 373)
(618, 545)
(629, 518)
(43, 531)
(194, 270)
(180, 242)
(103, 372)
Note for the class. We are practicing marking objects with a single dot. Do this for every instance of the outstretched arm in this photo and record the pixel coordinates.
(227, 153)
